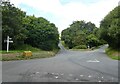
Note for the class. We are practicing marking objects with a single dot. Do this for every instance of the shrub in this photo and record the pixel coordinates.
(80, 47)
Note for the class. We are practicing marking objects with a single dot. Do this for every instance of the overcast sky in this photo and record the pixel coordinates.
(63, 12)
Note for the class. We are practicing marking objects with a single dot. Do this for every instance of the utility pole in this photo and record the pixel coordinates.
(8, 41)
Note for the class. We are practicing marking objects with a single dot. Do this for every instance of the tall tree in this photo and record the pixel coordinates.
(110, 28)
(42, 33)
(37, 32)
(76, 34)
(12, 23)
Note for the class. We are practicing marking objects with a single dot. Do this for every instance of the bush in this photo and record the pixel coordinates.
(43, 34)
(63, 43)
(80, 47)
(27, 48)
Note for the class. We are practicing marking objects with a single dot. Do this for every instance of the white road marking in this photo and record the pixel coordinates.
(89, 76)
(76, 79)
(93, 60)
(37, 72)
(81, 75)
(56, 77)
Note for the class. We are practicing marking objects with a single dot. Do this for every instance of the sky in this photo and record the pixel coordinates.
(63, 12)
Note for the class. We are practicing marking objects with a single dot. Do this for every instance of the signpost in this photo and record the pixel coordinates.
(8, 41)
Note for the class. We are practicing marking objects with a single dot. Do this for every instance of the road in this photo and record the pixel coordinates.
(66, 66)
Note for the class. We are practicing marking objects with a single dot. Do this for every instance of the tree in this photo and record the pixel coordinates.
(23, 29)
(42, 33)
(92, 40)
(76, 34)
(12, 24)
(110, 28)
(79, 40)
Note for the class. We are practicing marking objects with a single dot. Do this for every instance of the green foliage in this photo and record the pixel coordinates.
(42, 33)
(92, 40)
(35, 55)
(26, 47)
(79, 40)
(110, 28)
(113, 53)
(23, 29)
(77, 34)
(21, 48)
(80, 47)
(12, 24)
(63, 43)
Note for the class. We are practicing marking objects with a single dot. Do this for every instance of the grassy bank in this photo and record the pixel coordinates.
(18, 54)
(35, 55)
(63, 43)
(0, 56)
(112, 53)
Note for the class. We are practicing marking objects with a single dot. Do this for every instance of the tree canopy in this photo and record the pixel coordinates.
(78, 34)
(42, 33)
(23, 29)
(12, 23)
(110, 28)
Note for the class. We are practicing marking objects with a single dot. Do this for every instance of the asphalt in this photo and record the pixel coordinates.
(66, 66)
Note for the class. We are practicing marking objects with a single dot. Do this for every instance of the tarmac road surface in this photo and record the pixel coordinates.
(66, 66)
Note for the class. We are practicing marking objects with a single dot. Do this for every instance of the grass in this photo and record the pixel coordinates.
(0, 56)
(21, 49)
(11, 51)
(63, 43)
(18, 54)
(27, 48)
(112, 53)
(35, 55)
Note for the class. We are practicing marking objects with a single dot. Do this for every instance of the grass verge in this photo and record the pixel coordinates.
(18, 54)
(63, 43)
(112, 53)
(21, 49)
(0, 57)
(35, 55)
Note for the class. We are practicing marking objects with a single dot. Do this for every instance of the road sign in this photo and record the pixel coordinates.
(8, 41)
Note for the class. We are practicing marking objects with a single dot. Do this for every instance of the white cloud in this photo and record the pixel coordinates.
(71, 11)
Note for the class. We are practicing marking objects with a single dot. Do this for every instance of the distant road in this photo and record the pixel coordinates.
(66, 66)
